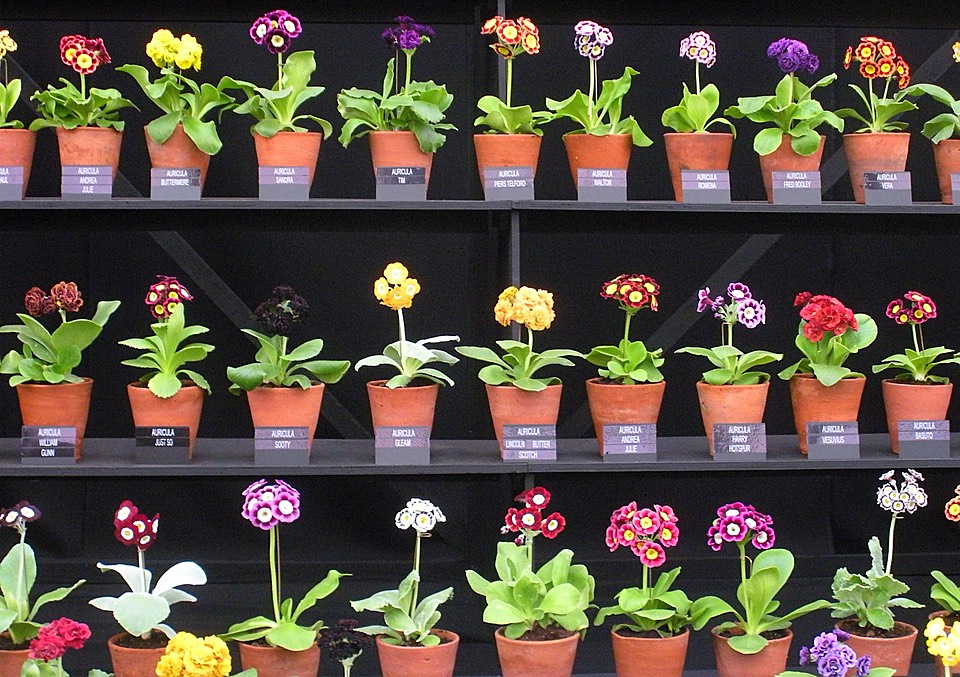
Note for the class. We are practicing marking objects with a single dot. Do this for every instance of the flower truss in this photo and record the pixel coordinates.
(529, 520)
(168, 51)
(956, 52)
(832, 657)
(82, 54)
(165, 295)
(420, 514)
(514, 37)
(878, 58)
(395, 289)
(64, 296)
(18, 516)
(132, 528)
(7, 44)
(952, 509)
(920, 309)
(275, 30)
(793, 56)
(943, 642)
(906, 497)
(592, 39)
(54, 638)
(742, 307)
(187, 655)
(266, 505)
(533, 308)
(699, 47)
(281, 311)
(344, 643)
(647, 532)
(824, 314)
(632, 292)
(738, 523)
(407, 34)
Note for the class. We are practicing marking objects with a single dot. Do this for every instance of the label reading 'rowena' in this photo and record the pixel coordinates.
(47, 445)
(705, 186)
(533, 442)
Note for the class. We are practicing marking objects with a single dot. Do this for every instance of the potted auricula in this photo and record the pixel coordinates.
(792, 144)
(49, 646)
(187, 655)
(691, 145)
(734, 391)
(943, 643)
(831, 656)
(604, 137)
(16, 143)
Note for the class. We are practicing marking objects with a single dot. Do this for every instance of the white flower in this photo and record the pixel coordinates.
(404, 519)
(424, 522)
(420, 514)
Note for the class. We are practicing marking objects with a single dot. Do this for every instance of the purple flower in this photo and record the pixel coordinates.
(259, 29)
(275, 30)
(604, 36)
(863, 666)
(714, 539)
(732, 509)
(841, 635)
(407, 34)
(789, 62)
(751, 313)
(813, 63)
(586, 27)
(793, 56)
(733, 529)
(776, 48)
(277, 41)
(837, 661)
(408, 39)
(738, 291)
(703, 300)
(804, 655)
(266, 505)
(763, 538)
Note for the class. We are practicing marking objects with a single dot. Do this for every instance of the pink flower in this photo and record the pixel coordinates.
(72, 633)
(669, 534)
(47, 648)
(613, 542)
(714, 539)
(666, 513)
(651, 554)
(646, 521)
(627, 535)
(732, 529)
(764, 538)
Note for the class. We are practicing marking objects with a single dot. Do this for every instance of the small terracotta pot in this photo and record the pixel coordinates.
(786, 159)
(888, 652)
(731, 404)
(273, 661)
(510, 405)
(693, 150)
(177, 152)
(11, 661)
(586, 151)
(768, 662)
(938, 666)
(131, 662)
(553, 658)
(182, 409)
(874, 152)
(913, 402)
(612, 403)
(650, 657)
(813, 401)
(289, 149)
(285, 407)
(411, 406)
(90, 146)
(57, 404)
(16, 149)
(507, 150)
(946, 156)
(419, 661)
(398, 149)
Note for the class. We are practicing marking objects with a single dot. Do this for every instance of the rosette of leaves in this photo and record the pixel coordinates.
(9, 90)
(405, 626)
(696, 109)
(518, 364)
(879, 60)
(629, 362)
(945, 125)
(916, 362)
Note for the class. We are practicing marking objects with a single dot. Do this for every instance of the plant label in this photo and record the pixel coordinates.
(401, 445)
(796, 188)
(47, 445)
(602, 185)
(955, 189)
(924, 439)
(163, 445)
(403, 184)
(180, 183)
(290, 184)
(281, 447)
(887, 188)
(833, 440)
(705, 187)
(533, 442)
(86, 182)
(11, 183)
(508, 183)
(630, 442)
(739, 441)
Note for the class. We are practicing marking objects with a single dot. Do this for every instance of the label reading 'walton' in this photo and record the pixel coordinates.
(796, 188)
(11, 183)
(924, 439)
(402, 445)
(630, 442)
(887, 188)
(284, 183)
(508, 183)
(739, 441)
(404, 184)
(601, 185)
(79, 182)
(47, 445)
(286, 447)
(711, 187)
(162, 445)
(534, 442)
(175, 183)
(833, 440)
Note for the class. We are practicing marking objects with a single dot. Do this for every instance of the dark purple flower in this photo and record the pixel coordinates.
(408, 39)
(703, 300)
(425, 30)
(841, 635)
(776, 48)
(804, 655)
(789, 62)
(343, 642)
(863, 666)
(258, 30)
(733, 509)
(281, 311)
(403, 21)
(751, 313)
(813, 63)
(277, 41)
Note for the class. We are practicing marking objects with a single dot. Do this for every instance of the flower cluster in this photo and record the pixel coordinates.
(167, 50)
(17, 516)
(832, 657)
(275, 30)
(742, 307)
(513, 37)
(343, 642)
(700, 47)
(645, 531)
(63, 296)
(592, 39)
(54, 638)
(283, 309)
(187, 655)
(7, 44)
(952, 509)
(793, 56)
(906, 497)
(921, 309)
(395, 289)
(878, 58)
(632, 291)
(942, 642)
(956, 52)
(165, 295)
(266, 505)
(131, 527)
(533, 308)
(824, 314)
(420, 514)
(407, 34)
(529, 519)
(82, 54)
(737, 523)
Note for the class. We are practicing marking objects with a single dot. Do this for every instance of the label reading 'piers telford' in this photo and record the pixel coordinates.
(508, 183)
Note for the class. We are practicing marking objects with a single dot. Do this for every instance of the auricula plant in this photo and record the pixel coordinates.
(10, 89)
(697, 108)
(943, 643)
(918, 362)
(45, 658)
(833, 658)
(879, 60)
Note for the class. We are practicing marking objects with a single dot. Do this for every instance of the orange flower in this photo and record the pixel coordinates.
(886, 68)
(956, 52)
(866, 51)
(869, 70)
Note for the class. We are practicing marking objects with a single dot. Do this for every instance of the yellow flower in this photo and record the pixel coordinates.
(170, 665)
(411, 287)
(6, 42)
(188, 56)
(539, 319)
(935, 628)
(381, 288)
(397, 299)
(163, 48)
(503, 312)
(508, 294)
(207, 659)
(395, 273)
(956, 52)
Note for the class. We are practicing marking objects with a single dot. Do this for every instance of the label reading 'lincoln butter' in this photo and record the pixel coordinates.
(534, 442)
(630, 442)
(710, 187)
(276, 446)
(739, 441)
(602, 185)
(833, 440)
(924, 439)
(47, 445)
(163, 445)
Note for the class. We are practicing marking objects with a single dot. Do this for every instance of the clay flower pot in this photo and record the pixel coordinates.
(412, 406)
(731, 404)
(695, 150)
(398, 149)
(289, 149)
(812, 401)
(650, 656)
(612, 403)
(133, 662)
(946, 156)
(177, 152)
(182, 409)
(11, 661)
(552, 658)
(769, 661)
(786, 159)
(913, 402)
(57, 404)
(889, 652)
(16, 149)
(280, 407)
(273, 661)
(420, 661)
(90, 146)
(874, 152)
(510, 405)
(586, 151)
(507, 150)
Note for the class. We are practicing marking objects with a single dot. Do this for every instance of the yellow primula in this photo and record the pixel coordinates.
(397, 299)
(381, 288)
(163, 48)
(395, 273)
(530, 307)
(188, 56)
(189, 656)
(7, 44)
(395, 290)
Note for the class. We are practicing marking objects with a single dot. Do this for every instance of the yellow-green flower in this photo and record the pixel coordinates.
(188, 56)
(7, 44)
(163, 48)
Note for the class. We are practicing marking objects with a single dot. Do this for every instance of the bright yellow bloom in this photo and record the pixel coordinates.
(530, 307)
(188, 56)
(395, 273)
(508, 294)
(163, 48)
(7, 44)
(398, 299)
(411, 287)
(189, 656)
(381, 288)
(395, 290)
(503, 312)
(935, 628)
(956, 52)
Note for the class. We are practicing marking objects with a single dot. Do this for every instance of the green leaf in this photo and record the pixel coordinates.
(290, 636)
(747, 644)
(562, 599)
(321, 590)
(139, 612)
(164, 385)
(767, 141)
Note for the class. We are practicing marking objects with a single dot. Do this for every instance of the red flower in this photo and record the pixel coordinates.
(538, 497)
(866, 50)
(651, 554)
(553, 525)
(646, 521)
(886, 49)
(508, 32)
(903, 70)
(824, 314)
(491, 25)
(512, 521)
(528, 26)
(802, 298)
(529, 518)
(72, 633)
(35, 301)
(47, 647)
(894, 308)
(847, 58)
(869, 70)
(66, 296)
(669, 534)
(886, 67)
(952, 509)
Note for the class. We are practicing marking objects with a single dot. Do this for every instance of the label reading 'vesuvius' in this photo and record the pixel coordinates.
(533, 442)
(739, 441)
(47, 445)
(924, 439)
(630, 441)
(705, 186)
(833, 440)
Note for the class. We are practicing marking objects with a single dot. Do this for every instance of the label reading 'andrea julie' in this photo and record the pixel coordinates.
(78, 182)
(533, 442)
(47, 445)
(630, 442)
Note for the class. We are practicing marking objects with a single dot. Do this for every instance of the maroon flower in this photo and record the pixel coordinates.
(529, 518)
(35, 301)
(512, 520)
(553, 525)
(66, 296)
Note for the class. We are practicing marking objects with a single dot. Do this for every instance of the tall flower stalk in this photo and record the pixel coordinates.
(898, 500)
(405, 37)
(591, 42)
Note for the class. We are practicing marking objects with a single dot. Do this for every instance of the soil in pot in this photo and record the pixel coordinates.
(91, 146)
(420, 661)
(412, 406)
(286, 407)
(398, 149)
(647, 654)
(510, 405)
(730, 404)
(537, 658)
(12, 656)
(887, 648)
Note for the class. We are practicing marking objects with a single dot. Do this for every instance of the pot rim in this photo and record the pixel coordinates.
(379, 383)
(498, 634)
(913, 628)
(702, 134)
(256, 647)
(83, 380)
(686, 631)
(598, 380)
(715, 631)
(450, 634)
(112, 641)
(510, 385)
(813, 376)
(894, 382)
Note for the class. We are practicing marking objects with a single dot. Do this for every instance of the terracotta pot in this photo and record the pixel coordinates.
(412, 406)
(938, 666)
(946, 156)
(813, 401)
(289, 149)
(273, 407)
(887, 652)
(586, 151)
(398, 149)
(553, 658)
(731, 404)
(130, 662)
(650, 657)
(182, 409)
(612, 403)
(272, 661)
(511, 406)
(16, 149)
(913, 402)
(90, 146)
(872, 152)
(701, 151)
(11, 660)
(419, 661)
(57, 404)
(507, 150)
(786, 159)
(177, 152)
(768, 662)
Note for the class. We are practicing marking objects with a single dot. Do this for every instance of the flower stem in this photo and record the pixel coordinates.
(21, 593)
(59, 663)
(403, 337)
(646, 578)
(526, 362)
(626, 327)
(283, 351)
(893, 525)
(274, 572)
(279, 71)
(346, 669)
(593, 88)
(917, 340)
(696, 69)
(416, 583)
(743, 561)
(509, 82)
(83, 86)
(871, 108)
(406, 75)
(141, 562)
